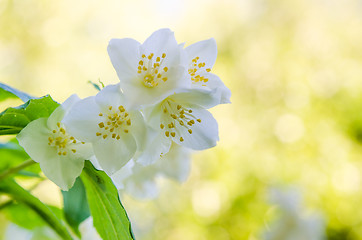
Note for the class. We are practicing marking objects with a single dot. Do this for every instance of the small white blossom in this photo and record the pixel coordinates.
(201, 58)
(150, 71)
(140, 181)
(181, 118)
(48, 142)
(114, 131)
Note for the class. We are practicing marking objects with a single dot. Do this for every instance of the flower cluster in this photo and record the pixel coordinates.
(140, 128)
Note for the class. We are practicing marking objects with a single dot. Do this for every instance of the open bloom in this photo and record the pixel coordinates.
(201, 58)
(181, 118)
(48, 142)
(140, 181)
(150, 71)
(103, 120)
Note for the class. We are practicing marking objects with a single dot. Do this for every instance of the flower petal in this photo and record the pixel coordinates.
(206, 50)
(34, 139)
(176, 163)
(111, 95)
(215, 84)
(82, 120)
(112, 154)
(200, 97)
(141, 184)
(163, 41)
(124, 54)
(138, 129)
(62, 170)
(60, 111)
(158, 144)
(204, 134)
(122, 174)
(138, 95)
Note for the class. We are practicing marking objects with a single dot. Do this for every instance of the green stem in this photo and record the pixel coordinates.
(19, 194)
(16, 169)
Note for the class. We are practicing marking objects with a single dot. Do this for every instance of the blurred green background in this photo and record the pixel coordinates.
(295, 71)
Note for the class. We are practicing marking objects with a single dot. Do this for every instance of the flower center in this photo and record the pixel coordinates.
(196, 70)
(151, 71)
(175, 117)
(114, 122)
(61, 140)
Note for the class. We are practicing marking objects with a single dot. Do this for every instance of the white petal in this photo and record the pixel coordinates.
(112, 154)
(34, 139)
(138, 129)
(206, 50)
(157, 144)
(138, 95)
(67, 104)
(153, 116)
(218, 88)
(95, 162)
(62, 170)
(124, 54)
(176, 163)
(146, 189)
(59, 112)
(111, 95)
(83, 150)
(163, 41)
(56, 116)
(200, 97)
(121, 175)
(82, 120)
(141, 184)
(204, 135)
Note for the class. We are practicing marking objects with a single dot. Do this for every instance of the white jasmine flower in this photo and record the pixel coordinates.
(104, 121)
(201, 59)
(293, 224)
(150, 71)
(140, 181)
(48, 142)
(183, 119)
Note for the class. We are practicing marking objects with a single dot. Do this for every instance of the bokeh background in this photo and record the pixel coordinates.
(295, 71)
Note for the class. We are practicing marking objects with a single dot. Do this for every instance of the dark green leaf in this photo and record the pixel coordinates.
(109, 217)
(19, 194)
(76, 208)
(13, 120)
(9, 92)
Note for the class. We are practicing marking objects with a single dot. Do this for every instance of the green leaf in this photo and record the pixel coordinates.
(23, 216)
(13, 120)
(9, 92)
(10, 187)
(76, 208)
(109, 217)
(12, 154)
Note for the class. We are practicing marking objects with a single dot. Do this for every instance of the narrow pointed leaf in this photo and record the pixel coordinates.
(109, 217)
